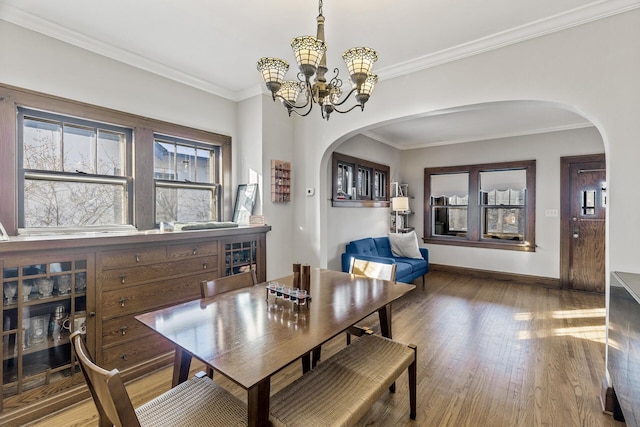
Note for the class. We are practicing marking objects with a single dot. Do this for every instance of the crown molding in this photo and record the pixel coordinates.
(34, 23)
(562, 21)
(578, 16)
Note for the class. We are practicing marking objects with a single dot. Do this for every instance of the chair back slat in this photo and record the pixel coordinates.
(107, 389)
(376, 270)
(209, 288)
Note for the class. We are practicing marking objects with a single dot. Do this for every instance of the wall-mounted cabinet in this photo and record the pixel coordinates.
(359, 183)
(280, 181)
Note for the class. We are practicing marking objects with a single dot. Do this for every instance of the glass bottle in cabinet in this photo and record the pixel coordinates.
(240, 257)
(43, 302)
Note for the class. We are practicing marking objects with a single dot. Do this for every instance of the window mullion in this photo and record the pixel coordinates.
(473, 206)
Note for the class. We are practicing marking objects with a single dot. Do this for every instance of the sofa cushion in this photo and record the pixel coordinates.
(364, 247)
(405, 245)
(383, 246)
(415, 264)
(403, 269)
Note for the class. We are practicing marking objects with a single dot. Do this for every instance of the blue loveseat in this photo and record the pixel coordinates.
(379, 249)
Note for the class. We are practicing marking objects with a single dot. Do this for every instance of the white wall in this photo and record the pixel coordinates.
(278, 143)
(591, 69)
(33, 61)
(248, 144)
(346, 224)
(546, 149)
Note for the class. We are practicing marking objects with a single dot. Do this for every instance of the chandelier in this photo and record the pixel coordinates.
(310, 55)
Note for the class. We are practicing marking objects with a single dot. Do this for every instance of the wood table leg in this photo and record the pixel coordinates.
(316, 354)
(306, 363)
(181, 366)
(258, 404)
(384, 314)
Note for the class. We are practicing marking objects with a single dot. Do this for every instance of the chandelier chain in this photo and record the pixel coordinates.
(320, 7)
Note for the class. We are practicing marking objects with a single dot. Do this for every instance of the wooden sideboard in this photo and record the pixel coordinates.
(624, 345)
(111, 278)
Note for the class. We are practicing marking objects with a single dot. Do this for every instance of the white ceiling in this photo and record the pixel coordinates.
(214, 45)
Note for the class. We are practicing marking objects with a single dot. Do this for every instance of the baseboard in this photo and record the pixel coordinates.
(547, 282)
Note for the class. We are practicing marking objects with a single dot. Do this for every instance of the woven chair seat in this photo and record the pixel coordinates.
(340, 390)
(196, 402)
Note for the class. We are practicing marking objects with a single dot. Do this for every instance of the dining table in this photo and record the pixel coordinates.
(249, 334)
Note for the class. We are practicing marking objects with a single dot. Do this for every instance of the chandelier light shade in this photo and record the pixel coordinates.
(289, 91)
(310, 54)
(308, 51)
(359, 62)
(367, 87)
(273, 71)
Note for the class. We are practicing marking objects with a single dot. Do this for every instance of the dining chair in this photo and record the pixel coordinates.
(210, 288)
(198, 401)
(373, 269)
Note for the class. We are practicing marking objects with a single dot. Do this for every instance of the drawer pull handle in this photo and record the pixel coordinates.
(122, 301)
(195, 251)
(204, 265)
(123, 356)
(137, 257)
(122, 277)
(92, 314)
(123, 330)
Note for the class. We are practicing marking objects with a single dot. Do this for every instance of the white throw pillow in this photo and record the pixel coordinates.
(405, 245)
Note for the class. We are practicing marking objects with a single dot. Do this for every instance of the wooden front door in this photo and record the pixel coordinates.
(583, 214)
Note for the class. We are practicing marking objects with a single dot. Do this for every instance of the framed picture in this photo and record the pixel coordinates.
(245, 199)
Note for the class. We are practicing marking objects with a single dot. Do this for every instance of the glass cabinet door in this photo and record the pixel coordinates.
(43, 302)
(240, 257)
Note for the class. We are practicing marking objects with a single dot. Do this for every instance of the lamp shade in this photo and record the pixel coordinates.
(273, 71)
(400, 204)
(359, 62)
(290, 90)
(308, 51)
(369, 84)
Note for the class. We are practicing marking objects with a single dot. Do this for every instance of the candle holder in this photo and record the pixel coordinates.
(299, 297)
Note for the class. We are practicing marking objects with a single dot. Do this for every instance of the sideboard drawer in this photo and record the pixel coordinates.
(191, 250)
(131, 257)
(150, 296)
(122, 329)
(127, 355)
(122, 277)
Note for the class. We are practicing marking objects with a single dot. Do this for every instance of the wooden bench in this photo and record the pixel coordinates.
(341, 389)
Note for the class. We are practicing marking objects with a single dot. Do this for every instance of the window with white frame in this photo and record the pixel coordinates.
(186, 175)
(74, 173)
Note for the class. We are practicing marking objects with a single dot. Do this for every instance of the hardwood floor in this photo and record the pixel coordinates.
(490, 353)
